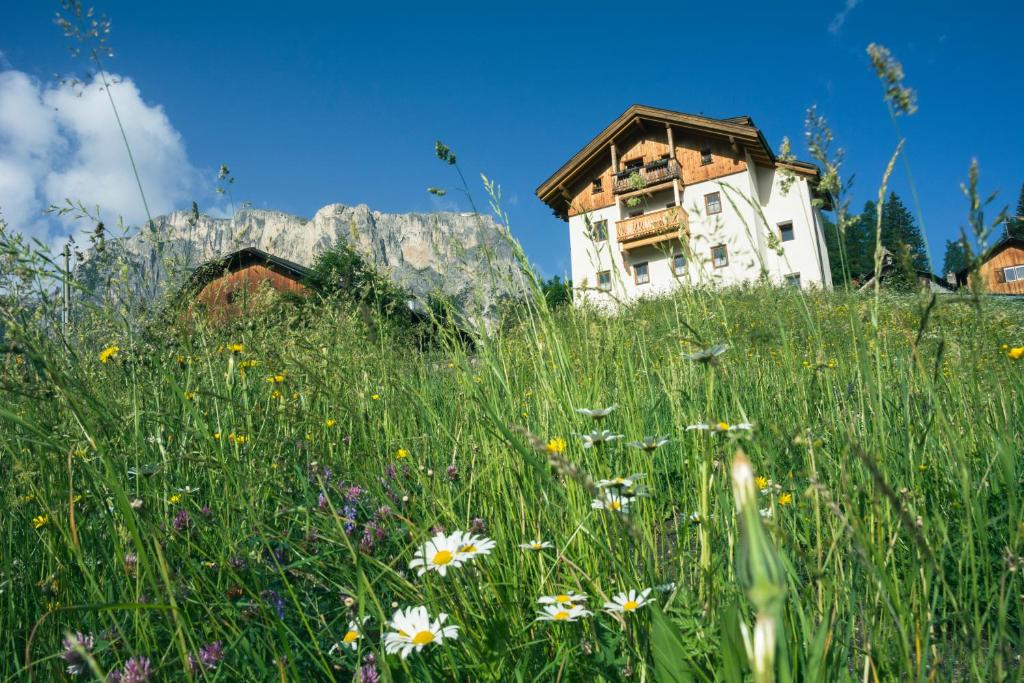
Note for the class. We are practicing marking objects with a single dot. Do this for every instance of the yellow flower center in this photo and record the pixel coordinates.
(535, 545)
(423, 637)
(723, 426)
(467, 549)
(561, 616)
(443, 557)
(620, 480)
(350, 637)
(615, 505)
(630, 605)
(562, 599)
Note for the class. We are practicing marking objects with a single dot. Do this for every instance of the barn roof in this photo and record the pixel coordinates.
(236, 260)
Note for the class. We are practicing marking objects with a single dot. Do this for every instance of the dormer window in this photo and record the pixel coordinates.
(705, 156)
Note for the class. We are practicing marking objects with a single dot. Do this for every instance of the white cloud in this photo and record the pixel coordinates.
(838, 20)
(59, 141)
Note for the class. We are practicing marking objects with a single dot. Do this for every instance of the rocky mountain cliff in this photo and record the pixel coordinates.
(463, 256)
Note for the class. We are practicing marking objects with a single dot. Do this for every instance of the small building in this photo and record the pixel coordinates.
(222, 286)
(1002, 268)
(892, 270)
(662, 199)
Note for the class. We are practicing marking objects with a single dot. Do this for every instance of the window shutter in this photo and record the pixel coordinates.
(1000, 275)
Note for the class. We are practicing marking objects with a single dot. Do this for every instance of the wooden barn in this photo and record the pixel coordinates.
(1002, 268)
(223, 287)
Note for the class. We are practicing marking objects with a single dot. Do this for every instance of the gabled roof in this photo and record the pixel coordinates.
(236, 260)
(737, 129)
(1007, 240)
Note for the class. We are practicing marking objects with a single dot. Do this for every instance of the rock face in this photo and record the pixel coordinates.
(463, 256)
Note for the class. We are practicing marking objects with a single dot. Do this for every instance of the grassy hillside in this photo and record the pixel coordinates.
(229, 504)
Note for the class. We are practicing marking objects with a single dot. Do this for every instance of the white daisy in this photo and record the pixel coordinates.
(351, 637)
(650, 443)
(596, 438)
(414, 630)
(597, 414)
(536, 544)
(719, 427)
(565, 599)
(470, 545)
(562, 613)
(438, 554)
(620, 481)
(628, 602)
(766, 513)
(707, 355)
(612, 502)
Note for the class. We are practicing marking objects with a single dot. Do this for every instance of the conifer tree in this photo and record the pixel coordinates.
(901, 234)
(955, 259)
(1015, 224)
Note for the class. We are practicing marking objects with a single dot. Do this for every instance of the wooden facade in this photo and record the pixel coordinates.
(1007, 253)
(225, 287)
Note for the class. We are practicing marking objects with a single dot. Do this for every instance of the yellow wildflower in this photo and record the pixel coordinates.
(329, 423)
(276, 379)
(785, 499)
(275, 394)
(556, 445)
(190, 396)
(39, 522)
(762, 483)
(376, 397)
(174, 499)
(108, 353)
(236, 348)
(401, 453)
(1016, 352)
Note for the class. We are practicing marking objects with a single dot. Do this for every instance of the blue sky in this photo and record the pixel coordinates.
(314, 103)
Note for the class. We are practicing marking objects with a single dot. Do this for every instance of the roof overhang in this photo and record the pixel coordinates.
(214, 268)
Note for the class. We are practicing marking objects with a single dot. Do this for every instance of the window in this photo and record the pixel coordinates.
(793, 280)
(633, 164)
(713, 203)
(786, 231)
(641, 273)
(705, 156)
(636, 212)
(604, 280)
(679, 264)
(596, 186)
(599, 231)
(1013, 273)
(719, 256)
(670, 205)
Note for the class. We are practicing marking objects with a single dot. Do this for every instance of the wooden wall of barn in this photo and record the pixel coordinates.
(224, 296)
(992, 269)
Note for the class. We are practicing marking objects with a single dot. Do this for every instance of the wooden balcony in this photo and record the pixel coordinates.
(654, 173)
(651, 228)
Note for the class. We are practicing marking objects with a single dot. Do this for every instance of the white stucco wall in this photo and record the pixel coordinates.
(753, 205)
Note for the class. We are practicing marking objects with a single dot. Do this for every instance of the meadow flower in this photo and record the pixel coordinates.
(597, 414)
(596, 438)
(39, 521)
(562, 613)
(709, 356)
(1016, 353)
(414, 630)
(131, 562)
(695, 518)
(786, 499)
(368, 671)
(73, 652)
(762, 483)
(182, 521)
(720, 427)
(329, 423)
(401, 454)
(477, 526)
(109, 352)
(536, 545)
(650, 443)
(135, 670)
(555, 445)
(352, 635)
(620, 481)
(613, 502)
(376, 397)
(438, 554)
(136, 504)
(452, 473)
(565, 599)
(208, 657)
(628, 602)
(274, 600)
(174, 499)
(236, 348)
(471, 545)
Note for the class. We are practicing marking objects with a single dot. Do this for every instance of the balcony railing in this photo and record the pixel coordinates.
(638, 178)
(654, 224)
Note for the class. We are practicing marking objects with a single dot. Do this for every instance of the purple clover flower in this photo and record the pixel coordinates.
(208, 658)
(321, 501)
(349, 513)
(452, 472)
(368, 671)
(135, 670)
(274, 600)
(75, 660)
(182, 521)
(477, 526)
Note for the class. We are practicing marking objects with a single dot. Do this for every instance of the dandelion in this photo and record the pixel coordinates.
(709, 356)
(414, 630)
(720, 427)
(277, 378)
(619, 481)
(556, 445)
(613, 502)
(1016, 353)
(563, 613)
(40, 521)
(650, 443)
(329, 423)
(174, 499)
(624, 603)
(536, 545)
(108, 353)
(376, 397)
(438, 554)
(401, 454)
(76, 648)
(596, 438)
(236, 348)
(597, 414)
(762, 483)
(786, 499)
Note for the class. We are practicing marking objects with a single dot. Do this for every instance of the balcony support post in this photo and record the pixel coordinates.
(675, 191)
(615, 160)
(671, 143)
